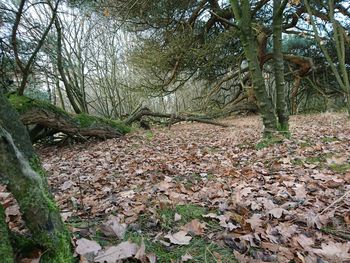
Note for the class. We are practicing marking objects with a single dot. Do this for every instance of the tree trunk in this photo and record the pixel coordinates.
(61, 69)
(281, 104)
(6, 252)
(23, 176)
(243, 16)
(137, 116)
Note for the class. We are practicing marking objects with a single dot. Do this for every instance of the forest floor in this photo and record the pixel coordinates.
(201, 193)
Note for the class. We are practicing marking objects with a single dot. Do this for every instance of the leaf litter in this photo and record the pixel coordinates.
(284, 202)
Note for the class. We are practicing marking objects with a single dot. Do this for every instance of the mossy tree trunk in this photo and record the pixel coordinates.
(6, 252)
(281, 104)
(21, 172)
(242, 13)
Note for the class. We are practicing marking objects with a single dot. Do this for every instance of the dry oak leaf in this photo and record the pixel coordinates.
(304, 241)
(113, 228)
(255, 221)
(195, 227)
(86, 246)
(337, 252)
(277, 212)
(179, 238)
(122, 251)
(186, 258)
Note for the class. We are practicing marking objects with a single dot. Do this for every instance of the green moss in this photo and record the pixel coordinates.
(6, 253)
(268, 141)
(37, 167)
(329, 139)
(149, 135)
(23, 104)
(87, 121)
(62, 252)
(314, 159)
(297, 161)
(340, 168)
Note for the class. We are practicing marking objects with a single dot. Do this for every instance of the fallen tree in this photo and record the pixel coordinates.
(173, 118)
(45, 119)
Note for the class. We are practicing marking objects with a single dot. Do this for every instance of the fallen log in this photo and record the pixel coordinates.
(137, 116)
(46, 116)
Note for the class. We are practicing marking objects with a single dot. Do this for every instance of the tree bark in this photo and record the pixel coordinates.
(243, 17)
(23, 176)
(278, 64)
(45, 115)
(173, 117)
(61, 69)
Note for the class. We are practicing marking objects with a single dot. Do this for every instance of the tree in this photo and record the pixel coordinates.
(340, 39)
(21, 173)
(243, 16)
(25, 67)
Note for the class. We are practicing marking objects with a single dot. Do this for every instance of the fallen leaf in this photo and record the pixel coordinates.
(277, 212)
(179, 238)
(113, 228)
(85, 247)
(186, 258)
(66, 185)
(255, 221)
(304, 241)
(337, 252)
(177, 217)
(122, 251)
(194, 227)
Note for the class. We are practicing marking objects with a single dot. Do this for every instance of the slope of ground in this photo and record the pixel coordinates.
(200, 193)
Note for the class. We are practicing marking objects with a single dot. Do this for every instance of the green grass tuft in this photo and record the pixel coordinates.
(188, 212)
(201, 250)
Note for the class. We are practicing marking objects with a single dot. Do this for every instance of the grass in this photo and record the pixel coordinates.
(314, 159)
(266, 142)
(188, 212)
(149, 135)
(201, 250)
(329, 139)
(340, 168)
(192, 179)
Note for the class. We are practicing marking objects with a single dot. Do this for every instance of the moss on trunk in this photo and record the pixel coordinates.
(30, 189)
(6, 253)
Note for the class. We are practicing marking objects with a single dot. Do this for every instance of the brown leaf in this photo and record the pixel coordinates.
(277, 212)
(255, 221)
(85, 247)
(186, 258)
(122, 251)
(194, 227)
(177, 217)
(304, 241)
(179, 238)
(337, 252)
(113, 228)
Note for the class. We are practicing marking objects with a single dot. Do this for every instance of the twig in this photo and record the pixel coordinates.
(332, 204)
